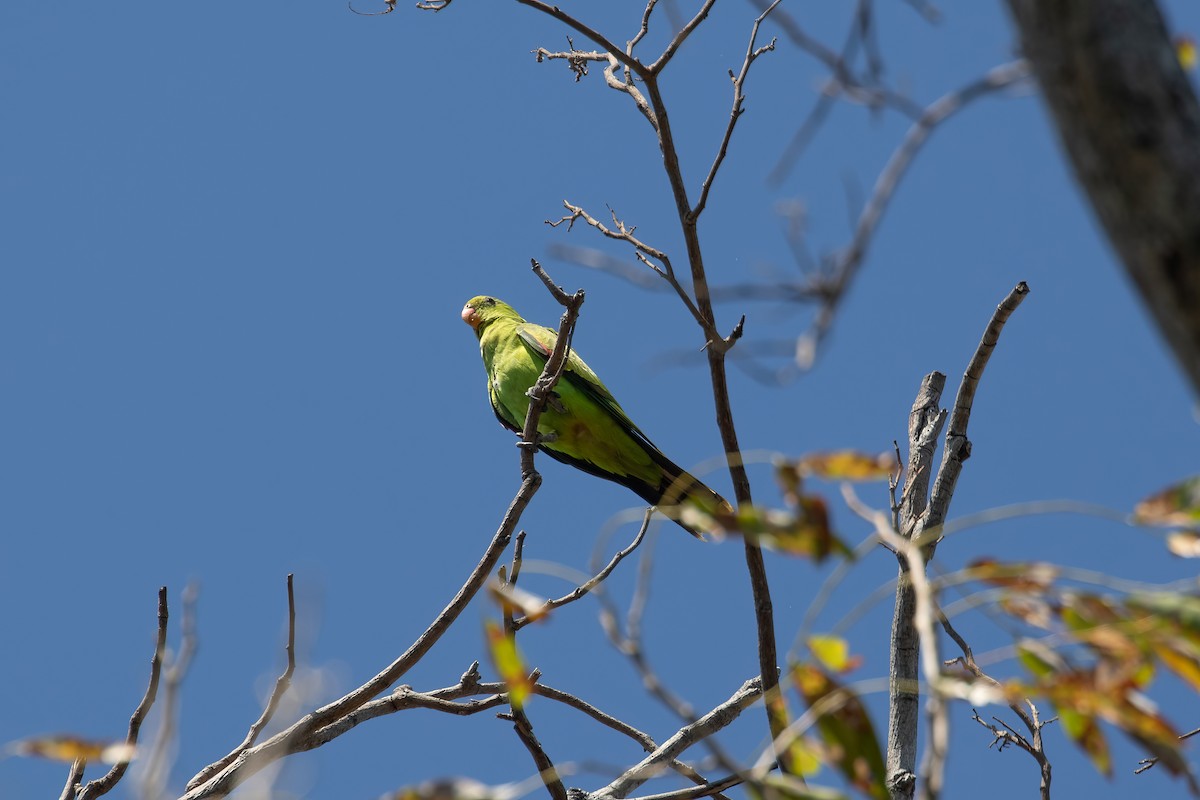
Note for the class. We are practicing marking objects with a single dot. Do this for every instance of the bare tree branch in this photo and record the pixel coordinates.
(590, 584)
(916, 518)
(716, 348)
(706, 726)
(153, 782)
(645, 740)
(1147, 763)
(76, 775)
(1033, 744)
(104, 784)
(600, 40)
(282, 683)
(681, 37)
(623, 233)
(713, 789)
(302, 734)
(522, 725)
(958, 447)
(925, 422)
(547, 772)
(739, 98)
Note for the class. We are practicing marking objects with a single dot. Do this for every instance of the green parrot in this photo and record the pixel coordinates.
(582, 425)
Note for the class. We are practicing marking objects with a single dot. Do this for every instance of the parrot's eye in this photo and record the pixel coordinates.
(489, 301)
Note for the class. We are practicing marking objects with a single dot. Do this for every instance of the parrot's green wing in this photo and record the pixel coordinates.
(582, 424)
(541, 340)
(665, 483)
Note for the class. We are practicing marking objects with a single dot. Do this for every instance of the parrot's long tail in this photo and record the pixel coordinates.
(681, 490)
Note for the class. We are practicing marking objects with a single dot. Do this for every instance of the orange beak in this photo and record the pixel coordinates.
(470, 316)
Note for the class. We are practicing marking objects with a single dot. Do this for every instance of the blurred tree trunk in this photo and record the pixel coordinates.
(1130, 123)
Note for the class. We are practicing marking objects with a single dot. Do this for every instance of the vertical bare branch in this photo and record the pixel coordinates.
(156, 768)
(545, 767)
(73, 779)
(925, 422)
(282, 683)
(717, 346)
(958, 447)
(104, 784)
(916, 519)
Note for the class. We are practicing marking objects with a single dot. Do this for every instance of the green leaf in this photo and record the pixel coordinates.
(502, 646)
(845, 728)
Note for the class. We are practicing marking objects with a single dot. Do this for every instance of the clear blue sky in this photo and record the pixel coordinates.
(236, 241)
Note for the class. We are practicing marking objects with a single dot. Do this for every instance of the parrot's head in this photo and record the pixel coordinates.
(479, 311)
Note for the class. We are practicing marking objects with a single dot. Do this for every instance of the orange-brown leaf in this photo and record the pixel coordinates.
(1175, 505)
(847, 465)
(64, 747)
(803, 532)
(1031, 576)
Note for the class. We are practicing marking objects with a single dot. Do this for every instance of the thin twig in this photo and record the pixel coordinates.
(645, 28)
(390, 6)
(706, 726)
(153, 782)
(739, 98)
(445, 700)
(681, 37)
(1034, 744)
(645, 740)
(403, 698)
(522, 725)
(629, 644)
(549, 775)
(1147, 763)
(958, 447)
(282, 683)
(104, 784)
(598, 38)
(591, 583)
(300, 735)
(621, 232)
(713, 789)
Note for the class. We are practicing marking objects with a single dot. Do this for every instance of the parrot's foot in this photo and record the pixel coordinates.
(542, 438)
(552, 401)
